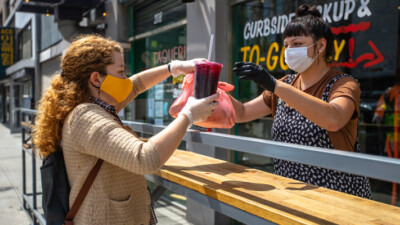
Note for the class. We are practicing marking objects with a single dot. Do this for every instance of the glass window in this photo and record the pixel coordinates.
(26, 94)
(365, 46)
(52, 35)
(156, 44)
(25, 42)
(154, 51)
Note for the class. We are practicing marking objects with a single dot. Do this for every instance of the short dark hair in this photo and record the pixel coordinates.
(308, 22)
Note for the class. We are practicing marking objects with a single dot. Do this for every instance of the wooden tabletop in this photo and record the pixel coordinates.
(275, 198)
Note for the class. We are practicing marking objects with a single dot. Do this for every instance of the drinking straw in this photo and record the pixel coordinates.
(210, 47)
(209, 58)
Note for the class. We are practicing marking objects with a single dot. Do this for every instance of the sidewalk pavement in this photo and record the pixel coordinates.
(11, 210)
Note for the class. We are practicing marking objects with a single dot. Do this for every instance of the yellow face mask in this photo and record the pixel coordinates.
(118, 88)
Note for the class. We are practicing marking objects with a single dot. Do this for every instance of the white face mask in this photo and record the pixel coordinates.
(297, 58)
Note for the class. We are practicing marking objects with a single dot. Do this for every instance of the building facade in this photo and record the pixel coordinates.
(365, 46)
(155, 32)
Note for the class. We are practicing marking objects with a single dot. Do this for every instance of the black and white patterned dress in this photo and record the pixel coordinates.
(290, 126)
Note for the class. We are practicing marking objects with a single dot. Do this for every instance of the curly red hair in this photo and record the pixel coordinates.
(87, 54)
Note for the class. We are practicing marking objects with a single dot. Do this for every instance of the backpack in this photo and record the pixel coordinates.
(56, 188)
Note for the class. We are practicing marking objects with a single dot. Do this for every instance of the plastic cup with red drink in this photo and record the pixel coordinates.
(206, 77)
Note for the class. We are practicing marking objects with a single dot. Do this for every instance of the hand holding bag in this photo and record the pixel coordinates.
(222, 117)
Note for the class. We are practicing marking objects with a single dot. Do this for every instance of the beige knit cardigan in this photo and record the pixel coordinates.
(119, 194)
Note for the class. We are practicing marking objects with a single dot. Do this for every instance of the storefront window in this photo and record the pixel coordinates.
(154, 51)
(159, 36)
(365, 46)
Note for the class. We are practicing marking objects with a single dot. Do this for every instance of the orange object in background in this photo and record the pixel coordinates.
(387, 112)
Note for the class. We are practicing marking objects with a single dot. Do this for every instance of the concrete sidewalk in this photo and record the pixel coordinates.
(11, 211)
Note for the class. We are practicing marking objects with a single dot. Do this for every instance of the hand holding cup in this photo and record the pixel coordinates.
(198, 110)
(178, 67)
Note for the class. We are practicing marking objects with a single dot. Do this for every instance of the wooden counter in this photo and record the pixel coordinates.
(274, 198)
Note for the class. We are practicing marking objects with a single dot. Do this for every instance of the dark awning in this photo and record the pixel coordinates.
(67, 7)
(35, 9)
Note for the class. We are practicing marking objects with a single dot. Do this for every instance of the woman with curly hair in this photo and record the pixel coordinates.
(316, 106)
(79, 113)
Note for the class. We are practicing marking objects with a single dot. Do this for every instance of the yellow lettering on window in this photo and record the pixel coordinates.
(274, 59)
(245, 50)
(255, 48)
(339, 49)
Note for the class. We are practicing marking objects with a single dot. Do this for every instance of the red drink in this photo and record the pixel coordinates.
(206, 77)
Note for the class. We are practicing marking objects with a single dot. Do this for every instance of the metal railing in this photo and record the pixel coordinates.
(29, 199)
(378, 167)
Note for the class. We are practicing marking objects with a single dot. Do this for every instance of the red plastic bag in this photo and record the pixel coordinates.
(222, 117)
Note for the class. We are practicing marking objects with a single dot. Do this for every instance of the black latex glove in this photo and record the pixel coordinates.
(256, 73)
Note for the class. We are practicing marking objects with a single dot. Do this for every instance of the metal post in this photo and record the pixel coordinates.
(38, 84)
(37, 76)
(23, 170)
(34, 187)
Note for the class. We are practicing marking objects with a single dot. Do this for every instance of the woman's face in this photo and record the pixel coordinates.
(117, 69)
(301, 41)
